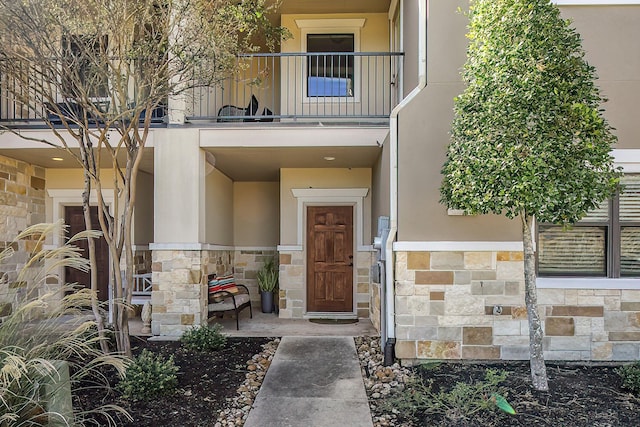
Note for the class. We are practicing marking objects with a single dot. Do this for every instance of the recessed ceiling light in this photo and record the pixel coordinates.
(57, 159)
(329, 158)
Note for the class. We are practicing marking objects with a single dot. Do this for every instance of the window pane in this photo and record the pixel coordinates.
(578, 251)
(630, 251)
(330, 75)
(599, 214)
(630, 198)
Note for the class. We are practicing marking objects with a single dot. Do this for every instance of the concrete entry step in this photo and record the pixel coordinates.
(315, 382)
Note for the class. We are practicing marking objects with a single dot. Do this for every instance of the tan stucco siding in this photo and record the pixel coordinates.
(380, 187)
(179, 190)
(424, 125)
(143, 214)
(74, 178)
(410, 45)
(256, 214)
(611, 38)
(423, 137)
(71, 179)
(219, 209)
(374, 35)
(319, 178)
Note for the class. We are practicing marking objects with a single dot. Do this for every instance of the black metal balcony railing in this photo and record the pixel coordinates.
(291, 86)
(268, 87)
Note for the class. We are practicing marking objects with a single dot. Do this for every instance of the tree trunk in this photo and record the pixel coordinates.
(538, 367)
(86, 208)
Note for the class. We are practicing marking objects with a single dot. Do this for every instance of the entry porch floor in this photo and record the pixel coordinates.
(270, 325)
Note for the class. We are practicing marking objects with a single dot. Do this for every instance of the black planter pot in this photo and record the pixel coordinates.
(266, 298)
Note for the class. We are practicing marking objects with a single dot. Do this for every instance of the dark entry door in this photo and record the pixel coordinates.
(330, 259)
(74, 218)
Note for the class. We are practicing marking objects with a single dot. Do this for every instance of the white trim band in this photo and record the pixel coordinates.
(457, 246)
(290, 248)
(586, 283)
(594, 2)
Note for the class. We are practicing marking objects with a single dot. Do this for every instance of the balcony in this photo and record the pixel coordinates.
(276, 88)
(292, 87)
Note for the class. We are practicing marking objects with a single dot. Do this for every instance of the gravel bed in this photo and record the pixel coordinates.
(380, 381)
(237, 409)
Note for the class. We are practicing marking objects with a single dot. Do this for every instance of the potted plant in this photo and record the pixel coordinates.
(267, 284)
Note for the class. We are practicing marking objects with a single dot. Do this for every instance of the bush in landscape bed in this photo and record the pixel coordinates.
(149, 376)
(630, 377)
(204, 338)
(47, 337)
(459, 402)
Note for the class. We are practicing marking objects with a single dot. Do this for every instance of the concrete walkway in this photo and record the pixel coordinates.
(312, 382)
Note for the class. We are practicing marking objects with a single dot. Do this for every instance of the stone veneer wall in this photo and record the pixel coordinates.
(179, 299)
(246, 266)
(374, 305)
(293, 281)
(445, 310)
(363, 293)
(22, 204)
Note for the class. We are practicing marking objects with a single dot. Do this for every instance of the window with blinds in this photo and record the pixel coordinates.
(630, 226)
(604, 243)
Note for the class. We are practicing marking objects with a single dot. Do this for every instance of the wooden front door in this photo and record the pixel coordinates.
(330, 259)
(74, 218)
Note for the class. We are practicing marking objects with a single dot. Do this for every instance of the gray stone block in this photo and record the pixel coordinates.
(514, 352)
(625, 351)
(450, 333)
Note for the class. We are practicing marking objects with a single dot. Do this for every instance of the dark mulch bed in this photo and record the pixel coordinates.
(205, 381)
(579, 396)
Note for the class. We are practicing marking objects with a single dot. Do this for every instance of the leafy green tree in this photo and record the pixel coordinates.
(528, 138)
(96, 71)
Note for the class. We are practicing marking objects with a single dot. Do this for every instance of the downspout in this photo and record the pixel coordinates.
(393, 182)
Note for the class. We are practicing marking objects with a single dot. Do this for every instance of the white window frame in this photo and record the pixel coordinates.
(629, 161)
(331, 26)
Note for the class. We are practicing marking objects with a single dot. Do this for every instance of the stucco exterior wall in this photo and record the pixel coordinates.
(219, 209)
(73, 179)
(374, 33)
(143, 216)
(410, 45)
(256, 212)
(424, 135)
(319, 178)
(611, 38)
(179, 187)
(380, 187)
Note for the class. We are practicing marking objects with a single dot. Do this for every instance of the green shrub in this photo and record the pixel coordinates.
(458, 403)
(149, 376)
(630, 377)
(204, 338)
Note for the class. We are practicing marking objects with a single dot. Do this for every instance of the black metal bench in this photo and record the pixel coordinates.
(224, 301)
